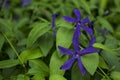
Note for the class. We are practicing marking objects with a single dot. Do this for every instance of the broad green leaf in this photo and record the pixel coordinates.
(38, 67)
(105, 24)
(57, 77)
(30, 54)
(115, 75)
(46, 43)
(38, 77)
(101, 46)
(55, 63)
(102, 63)
(22, 77)
(90, 61)
(38, 30)
(1, 41)
(8, 63)
(76, 73)
(64, 37)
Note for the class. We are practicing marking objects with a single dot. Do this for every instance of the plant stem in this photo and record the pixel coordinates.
(14, 50)
(104, 73)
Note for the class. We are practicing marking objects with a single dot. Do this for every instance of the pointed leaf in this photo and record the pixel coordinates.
(46, 43)
(64, 37)
(55, 63)
(38, 30)
(38, 67)
(30, 54)
(90, 62)
(8, 63)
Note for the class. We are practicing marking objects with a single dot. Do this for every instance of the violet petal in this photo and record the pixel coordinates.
(67, 65)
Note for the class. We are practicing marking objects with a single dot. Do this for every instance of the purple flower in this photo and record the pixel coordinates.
(77, 53)
(78, 21)
(25, 3)
(54, 16)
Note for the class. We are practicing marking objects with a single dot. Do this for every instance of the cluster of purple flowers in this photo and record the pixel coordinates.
(77, 52)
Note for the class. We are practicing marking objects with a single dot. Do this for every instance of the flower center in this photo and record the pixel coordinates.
(79, 22)
(76, 55)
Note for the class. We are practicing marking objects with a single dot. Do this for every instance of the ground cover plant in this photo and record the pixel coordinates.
(59, 40)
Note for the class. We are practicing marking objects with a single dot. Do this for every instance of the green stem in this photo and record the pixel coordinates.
(104, 73)
(14, 50)
(100, 74)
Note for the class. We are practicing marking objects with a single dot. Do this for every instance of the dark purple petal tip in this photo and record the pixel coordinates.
(77, 13)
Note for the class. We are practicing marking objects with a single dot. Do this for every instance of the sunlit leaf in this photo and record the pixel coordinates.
(57, 77)
(30, 54)
(55, 63)
(90, 62)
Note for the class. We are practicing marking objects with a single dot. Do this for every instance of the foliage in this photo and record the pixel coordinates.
(29, 48)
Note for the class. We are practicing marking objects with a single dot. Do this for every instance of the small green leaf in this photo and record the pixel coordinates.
(30, 54)
(38, 30)
(46, 43)
(38, 67)
(90, 61)
(115, 75)
(8, 63)
(55, 63)
(57, 77)
(101, 46)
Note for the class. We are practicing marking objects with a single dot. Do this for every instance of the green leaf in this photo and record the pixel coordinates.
(55, 63)
(30, 54)
(111, 59)
(38, 77)
(1, 41)
(1, 77)
(115, 75)
(85, 6)
(8, 63)
(101, 46)
(105, 24)
(38, 30)
(102, 63)
(103, 4)
(38, 67)
(64, 37)
(57, 77)
(76, 73)
(90, 61)
(46, 43)
(22, 77)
